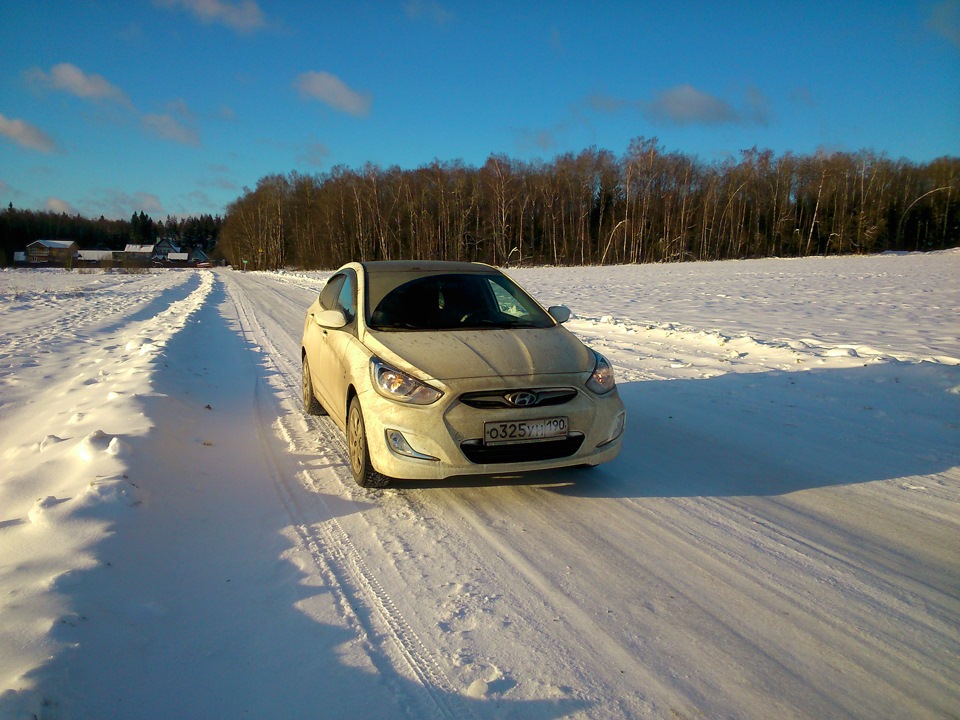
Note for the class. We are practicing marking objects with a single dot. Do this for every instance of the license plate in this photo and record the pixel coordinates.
(521, 431)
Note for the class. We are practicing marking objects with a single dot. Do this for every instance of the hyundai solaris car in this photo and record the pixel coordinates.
(442, 369)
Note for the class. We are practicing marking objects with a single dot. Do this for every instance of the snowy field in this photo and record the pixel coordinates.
(780, 537)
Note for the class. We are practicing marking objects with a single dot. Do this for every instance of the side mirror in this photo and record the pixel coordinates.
(333, 319)
(560, 313)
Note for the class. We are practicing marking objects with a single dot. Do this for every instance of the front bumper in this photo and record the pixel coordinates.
(451, 432)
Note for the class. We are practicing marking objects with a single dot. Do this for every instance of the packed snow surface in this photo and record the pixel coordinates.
(779, 538)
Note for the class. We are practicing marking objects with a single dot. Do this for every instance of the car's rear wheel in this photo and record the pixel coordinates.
(310, 402)
(360, 465)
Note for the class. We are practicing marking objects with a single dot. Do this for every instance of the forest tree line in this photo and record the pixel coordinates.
(594, 208)
(19, 228)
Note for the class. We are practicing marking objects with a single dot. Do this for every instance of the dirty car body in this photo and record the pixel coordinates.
(440, 369)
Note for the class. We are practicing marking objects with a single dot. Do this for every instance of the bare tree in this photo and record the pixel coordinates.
(647, 206)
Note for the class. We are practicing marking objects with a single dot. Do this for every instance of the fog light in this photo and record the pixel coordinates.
(399, 445)
(616, 431)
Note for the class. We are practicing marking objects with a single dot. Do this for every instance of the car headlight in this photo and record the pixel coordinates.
(601, 379)
(398, 385)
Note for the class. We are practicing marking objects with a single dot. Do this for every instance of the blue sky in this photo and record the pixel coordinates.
(173, 106)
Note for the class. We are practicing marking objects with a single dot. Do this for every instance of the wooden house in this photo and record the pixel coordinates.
(164, 247)
(60, 252)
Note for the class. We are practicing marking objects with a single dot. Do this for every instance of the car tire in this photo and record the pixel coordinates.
(310, 403)
(360, 466)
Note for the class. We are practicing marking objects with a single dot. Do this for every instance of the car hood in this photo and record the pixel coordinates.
(484, 353)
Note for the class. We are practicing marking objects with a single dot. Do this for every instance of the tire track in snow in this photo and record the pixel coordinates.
(857, 580)
(613, 670)
(830, 599)
(613, 663)
(732, 609)
(366, 604)
(390, 640)
(66, 321)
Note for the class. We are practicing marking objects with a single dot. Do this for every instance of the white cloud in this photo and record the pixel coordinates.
(758, 106)
(944, 20)
(538, 140)
(148, 202)
(601, 102)
(331, 90)
(71, 79)
(315, 155)
(168, 127)
(244, 16)
(59, 206)
(118, 204)
(803, 96)
(9, 193)
(200, 203)
(180, 107)
(429, 9)
(685, 105)
(177, 123)
(221, 179)
(26, 135)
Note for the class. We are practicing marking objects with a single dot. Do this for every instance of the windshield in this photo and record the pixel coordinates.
(457, 301)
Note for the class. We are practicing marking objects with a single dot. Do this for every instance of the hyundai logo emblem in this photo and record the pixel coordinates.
(522, 398)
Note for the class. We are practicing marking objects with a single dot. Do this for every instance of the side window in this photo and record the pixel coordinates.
(506, 302)
(330, 293)
(347, 299)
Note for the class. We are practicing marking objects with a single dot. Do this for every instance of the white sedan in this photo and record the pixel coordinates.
(439, 369)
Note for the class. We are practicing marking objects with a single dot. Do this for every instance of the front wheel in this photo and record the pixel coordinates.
(360, 465)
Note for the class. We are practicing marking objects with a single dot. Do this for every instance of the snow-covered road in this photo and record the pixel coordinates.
(779, 538)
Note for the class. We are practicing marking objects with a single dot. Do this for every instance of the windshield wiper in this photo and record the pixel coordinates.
(397, 326)
(499, 324)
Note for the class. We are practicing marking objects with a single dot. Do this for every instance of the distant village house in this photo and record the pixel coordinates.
(96, 257)
(163, 248)
(66, 253)
(138, 252)
(41, 252)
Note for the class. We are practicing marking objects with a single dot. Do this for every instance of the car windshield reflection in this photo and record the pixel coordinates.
(458, 302)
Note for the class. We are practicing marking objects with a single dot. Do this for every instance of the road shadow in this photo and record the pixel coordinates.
(203, 599)
(766, 433)
(156, 305)
(143, 655)
(774, 433)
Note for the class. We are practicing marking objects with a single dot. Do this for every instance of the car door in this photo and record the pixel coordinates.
(336, 344)
(320, 356)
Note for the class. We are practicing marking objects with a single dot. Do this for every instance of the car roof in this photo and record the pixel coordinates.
(426, 266)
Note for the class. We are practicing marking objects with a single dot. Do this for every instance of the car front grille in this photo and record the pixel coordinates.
(480, 454)
(541, 397)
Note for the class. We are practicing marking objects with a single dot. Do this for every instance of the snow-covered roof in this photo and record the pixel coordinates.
(96, 254)
(54, 244)
(178, 256)
(138, 249)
